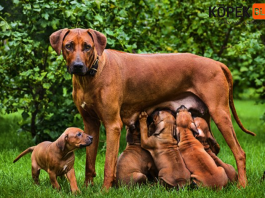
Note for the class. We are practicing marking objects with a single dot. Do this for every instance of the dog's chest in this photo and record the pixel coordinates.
(66, 166)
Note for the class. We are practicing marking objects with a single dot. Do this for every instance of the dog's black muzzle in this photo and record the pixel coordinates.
(78, 68)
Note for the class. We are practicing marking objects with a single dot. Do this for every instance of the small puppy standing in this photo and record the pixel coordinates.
(205, 137)
(203, 169)
(164, 149)
(57, 158)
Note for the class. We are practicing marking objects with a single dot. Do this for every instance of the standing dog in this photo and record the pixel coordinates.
(57, 158)
(204, 136)
(135, 165)
(203, 169)
(164, 149)
(114, 87)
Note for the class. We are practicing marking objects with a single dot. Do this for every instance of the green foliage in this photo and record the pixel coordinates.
(35, 80)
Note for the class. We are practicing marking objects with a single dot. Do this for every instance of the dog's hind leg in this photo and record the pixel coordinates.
(35, 170)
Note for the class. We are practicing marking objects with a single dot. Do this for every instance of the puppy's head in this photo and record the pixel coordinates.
(162, 122)
(162, 115)
(205, 134)
(73, 138)
(185, 120)
(133, 134)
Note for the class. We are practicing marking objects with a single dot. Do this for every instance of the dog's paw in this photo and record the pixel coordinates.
(143, 116)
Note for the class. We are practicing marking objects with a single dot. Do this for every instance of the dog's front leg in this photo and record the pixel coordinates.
(113, 131)
(72, 180)
(92, 128)
(53, 179)
(146, 142)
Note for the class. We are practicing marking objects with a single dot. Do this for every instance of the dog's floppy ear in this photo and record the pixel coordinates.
(214, 146)
(160, 128)
(194, 129)
(99, 39)
(129, 136)
(62, 141)
(56, 39)
(174, 133)
(177, 136)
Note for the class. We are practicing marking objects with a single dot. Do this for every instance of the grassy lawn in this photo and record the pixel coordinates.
(16, 181)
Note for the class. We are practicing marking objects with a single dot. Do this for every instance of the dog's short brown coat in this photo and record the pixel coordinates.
(57, 158)
(204, 170)
(164, 150)
(126, 84)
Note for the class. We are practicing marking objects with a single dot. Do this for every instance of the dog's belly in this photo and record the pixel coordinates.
(130, 112)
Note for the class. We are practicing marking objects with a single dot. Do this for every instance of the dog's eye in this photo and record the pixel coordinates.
(87, 47)
(79, 134)
(68, 46)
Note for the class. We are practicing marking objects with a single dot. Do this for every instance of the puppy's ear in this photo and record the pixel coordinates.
(56, 39)
(159, 128)
(177, 134)
(174, 133)
(214, 146)
(194, 129)
(62, 141)
(151, 129)
(99, 39)
(129, 136)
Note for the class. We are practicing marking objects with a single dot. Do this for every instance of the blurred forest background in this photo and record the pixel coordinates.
(34, 80)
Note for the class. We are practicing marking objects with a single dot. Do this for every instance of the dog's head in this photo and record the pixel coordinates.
(73, 138)
(80, 47)
(164, 125)
(205, 134)
(133, 134)
(184, 120)
(162, 115)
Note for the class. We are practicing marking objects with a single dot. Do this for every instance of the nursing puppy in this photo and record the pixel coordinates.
(204, 136)
(203, 169)
(57, 158)
(164, 149)
(135, 165)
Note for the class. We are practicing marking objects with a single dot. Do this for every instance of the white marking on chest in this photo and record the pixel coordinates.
(83, 105)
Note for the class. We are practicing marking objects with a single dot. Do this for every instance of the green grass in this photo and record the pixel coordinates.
(16, 181)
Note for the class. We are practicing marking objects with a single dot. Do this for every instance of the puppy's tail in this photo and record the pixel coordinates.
(28, 150)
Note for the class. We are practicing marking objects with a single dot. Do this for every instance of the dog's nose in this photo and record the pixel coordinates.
(78, 65)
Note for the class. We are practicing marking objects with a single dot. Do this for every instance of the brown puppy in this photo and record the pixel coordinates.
(114, 87)
(135, 165)
(203, 169)
(57, 158)
(164, 150)
(204, 136)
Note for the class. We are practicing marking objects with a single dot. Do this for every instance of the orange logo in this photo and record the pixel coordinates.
(258, 11)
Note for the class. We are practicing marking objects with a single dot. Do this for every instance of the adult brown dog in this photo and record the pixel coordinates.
(203, 169)
(164, 149)
(114, 87)
(57, 158)
(204, 136)
(135, 165)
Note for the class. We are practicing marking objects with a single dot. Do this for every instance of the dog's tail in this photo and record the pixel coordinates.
(231, 100)
(28, 150)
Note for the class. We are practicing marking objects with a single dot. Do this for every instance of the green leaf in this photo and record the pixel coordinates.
(46, 85)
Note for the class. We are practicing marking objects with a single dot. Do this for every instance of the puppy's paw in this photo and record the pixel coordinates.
(143, 116)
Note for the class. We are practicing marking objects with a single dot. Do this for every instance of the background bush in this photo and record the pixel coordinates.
(34, 79)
